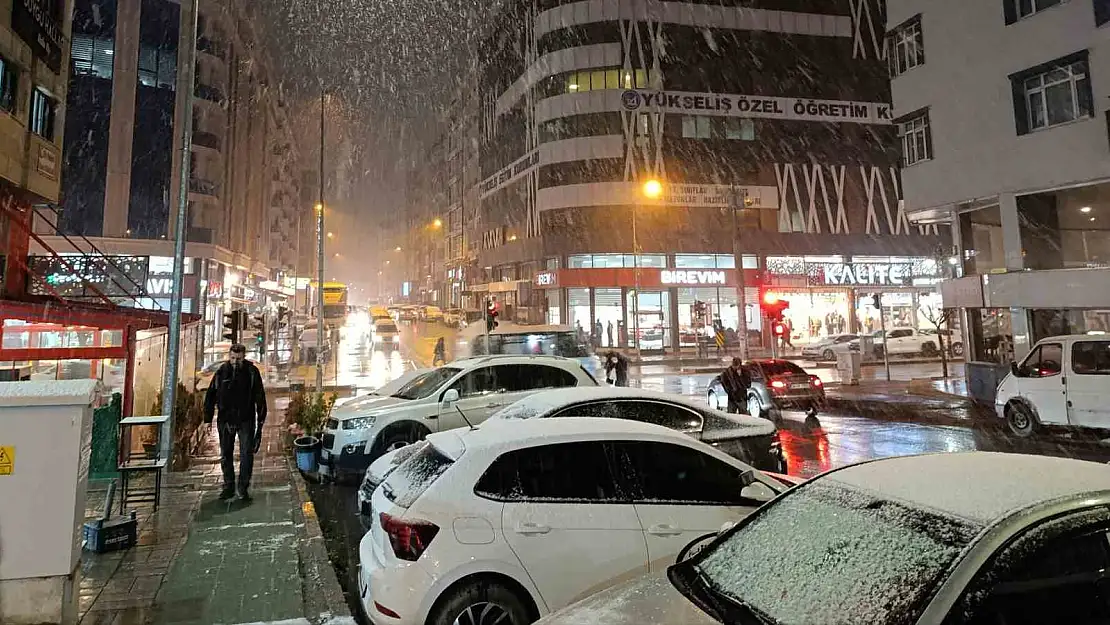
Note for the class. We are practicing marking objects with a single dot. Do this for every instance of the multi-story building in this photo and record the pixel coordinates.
(426, 243)
(777, 109)
(34, 70)
(1005, 139)
(122, 164)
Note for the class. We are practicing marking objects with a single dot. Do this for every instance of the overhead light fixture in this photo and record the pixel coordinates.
(1085, 209)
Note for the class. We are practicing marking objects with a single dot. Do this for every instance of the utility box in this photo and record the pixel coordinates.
(45, 447)
(848, 364)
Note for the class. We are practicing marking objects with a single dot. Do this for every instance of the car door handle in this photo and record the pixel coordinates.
(529, 529)
(664, 530)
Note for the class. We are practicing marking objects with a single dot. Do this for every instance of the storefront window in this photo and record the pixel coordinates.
(578, 309)
(992, 335)
(582, 261)
(608, 312)
(1052, 322)
(1066, 229)
(608, 260)
(653, 260)
(654, 320)
(695, 261)
(689, 326)
(554, 306)
(551, 264)
(981, 234)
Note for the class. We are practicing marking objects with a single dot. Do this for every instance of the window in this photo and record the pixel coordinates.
(9, 80)
(1019, 9)
(901, 334)
(1102, 12)
(1062, 581)
(157, 67)
(657, 413)
(695, 127)
(666, 473)
(42, 114)
(917, 138)
(1044, 361)
(1055, 93)
(92, 56)
(577, 472)
(530, 377)
(740, 128)
(906, 47)
(405, 485)
(1091, 357)
(476, 383)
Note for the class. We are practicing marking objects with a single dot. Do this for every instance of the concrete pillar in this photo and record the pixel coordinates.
(121, 127)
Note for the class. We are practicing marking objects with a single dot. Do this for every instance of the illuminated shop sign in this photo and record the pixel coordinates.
(767, 107)
(675, 277)
(547, 278)
(866, 274)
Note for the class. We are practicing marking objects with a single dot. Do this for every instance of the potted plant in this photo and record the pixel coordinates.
(308, 416)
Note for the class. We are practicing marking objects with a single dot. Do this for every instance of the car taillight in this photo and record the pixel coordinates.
(778, 384)
(816, 381)
(409, 539)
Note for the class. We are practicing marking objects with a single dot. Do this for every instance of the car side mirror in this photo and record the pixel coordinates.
(450, 397)
(758, 491)
(1014, 369)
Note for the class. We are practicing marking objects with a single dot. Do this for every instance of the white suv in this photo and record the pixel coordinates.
(355, 435)
(509, 521)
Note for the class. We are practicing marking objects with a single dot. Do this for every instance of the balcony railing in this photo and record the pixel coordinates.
(204, 187)
(207, 140)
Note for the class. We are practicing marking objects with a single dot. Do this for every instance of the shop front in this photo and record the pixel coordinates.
(834, 294)
(653, 308)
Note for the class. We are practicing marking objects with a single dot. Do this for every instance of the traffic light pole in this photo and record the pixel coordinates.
(738, 261)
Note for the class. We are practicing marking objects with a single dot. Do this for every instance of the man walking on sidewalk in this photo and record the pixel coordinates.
(238, 392)
(736, 382)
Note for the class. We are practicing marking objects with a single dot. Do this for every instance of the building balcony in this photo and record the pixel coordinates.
(211, 47)
(209, 93)
(200, 186)
(207, 140)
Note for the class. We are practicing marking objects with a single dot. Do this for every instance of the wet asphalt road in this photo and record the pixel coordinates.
(840, 439)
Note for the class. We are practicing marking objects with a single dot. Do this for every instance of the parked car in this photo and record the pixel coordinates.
(828, 347)
(1061, 382)
(523, 339)
(389, 388)
(754, 441)
(464, 391)
(511, 523)
(952, 341)
(454, 318)
(971, 538)
(776, 385)
(904, 342)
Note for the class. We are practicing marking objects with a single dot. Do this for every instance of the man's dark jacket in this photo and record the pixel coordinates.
(240, 395)
(736, 384)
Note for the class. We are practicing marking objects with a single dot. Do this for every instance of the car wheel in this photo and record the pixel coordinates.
(755, 409)
(958, 349)
(1021, 420)
(712, 401)
(483, 602)
(928, 349)
(398, 439)
(828, 355)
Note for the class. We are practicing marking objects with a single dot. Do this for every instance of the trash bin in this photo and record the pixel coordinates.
(306, 449)
(848, 365)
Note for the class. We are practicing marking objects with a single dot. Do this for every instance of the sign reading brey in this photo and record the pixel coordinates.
(766, 107)
(670, 276)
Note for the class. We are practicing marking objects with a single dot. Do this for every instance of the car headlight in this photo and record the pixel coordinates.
(359, 423)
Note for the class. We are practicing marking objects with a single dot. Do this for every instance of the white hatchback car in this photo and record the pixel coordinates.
(504, 524)
(356, 434)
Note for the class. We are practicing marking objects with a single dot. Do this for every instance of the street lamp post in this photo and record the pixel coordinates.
(652, 189)
(738, 261)
(320, 261)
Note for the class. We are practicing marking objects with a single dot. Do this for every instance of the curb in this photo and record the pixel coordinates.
(324, 601)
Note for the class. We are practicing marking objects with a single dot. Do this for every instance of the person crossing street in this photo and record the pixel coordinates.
(237, 392)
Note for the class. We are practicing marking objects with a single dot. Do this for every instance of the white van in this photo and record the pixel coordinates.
(1064, 381)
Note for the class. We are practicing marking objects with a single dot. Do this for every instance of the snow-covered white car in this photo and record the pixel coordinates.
(752, 440)
(505, 524)
(971, 539)
(437, 401)
(828, 347)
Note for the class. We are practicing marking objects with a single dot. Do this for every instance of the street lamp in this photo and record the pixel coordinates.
(397, 249)
(653, 189)
(437, 223)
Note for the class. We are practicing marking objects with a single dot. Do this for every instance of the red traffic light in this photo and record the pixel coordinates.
(770, 298)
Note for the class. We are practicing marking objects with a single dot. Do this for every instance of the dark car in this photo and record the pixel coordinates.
(776, 385)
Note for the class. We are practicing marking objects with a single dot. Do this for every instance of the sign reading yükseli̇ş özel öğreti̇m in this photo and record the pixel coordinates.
(768, 107)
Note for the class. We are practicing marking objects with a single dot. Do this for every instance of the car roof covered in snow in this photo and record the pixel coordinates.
(543, 403)
(979, 486)
(533, 432)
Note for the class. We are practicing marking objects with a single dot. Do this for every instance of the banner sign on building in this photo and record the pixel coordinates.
(719, 196)
(669, 277)
(546, 279)
(764, 107)
(80, 276)
(37, 24)
(509, 173)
